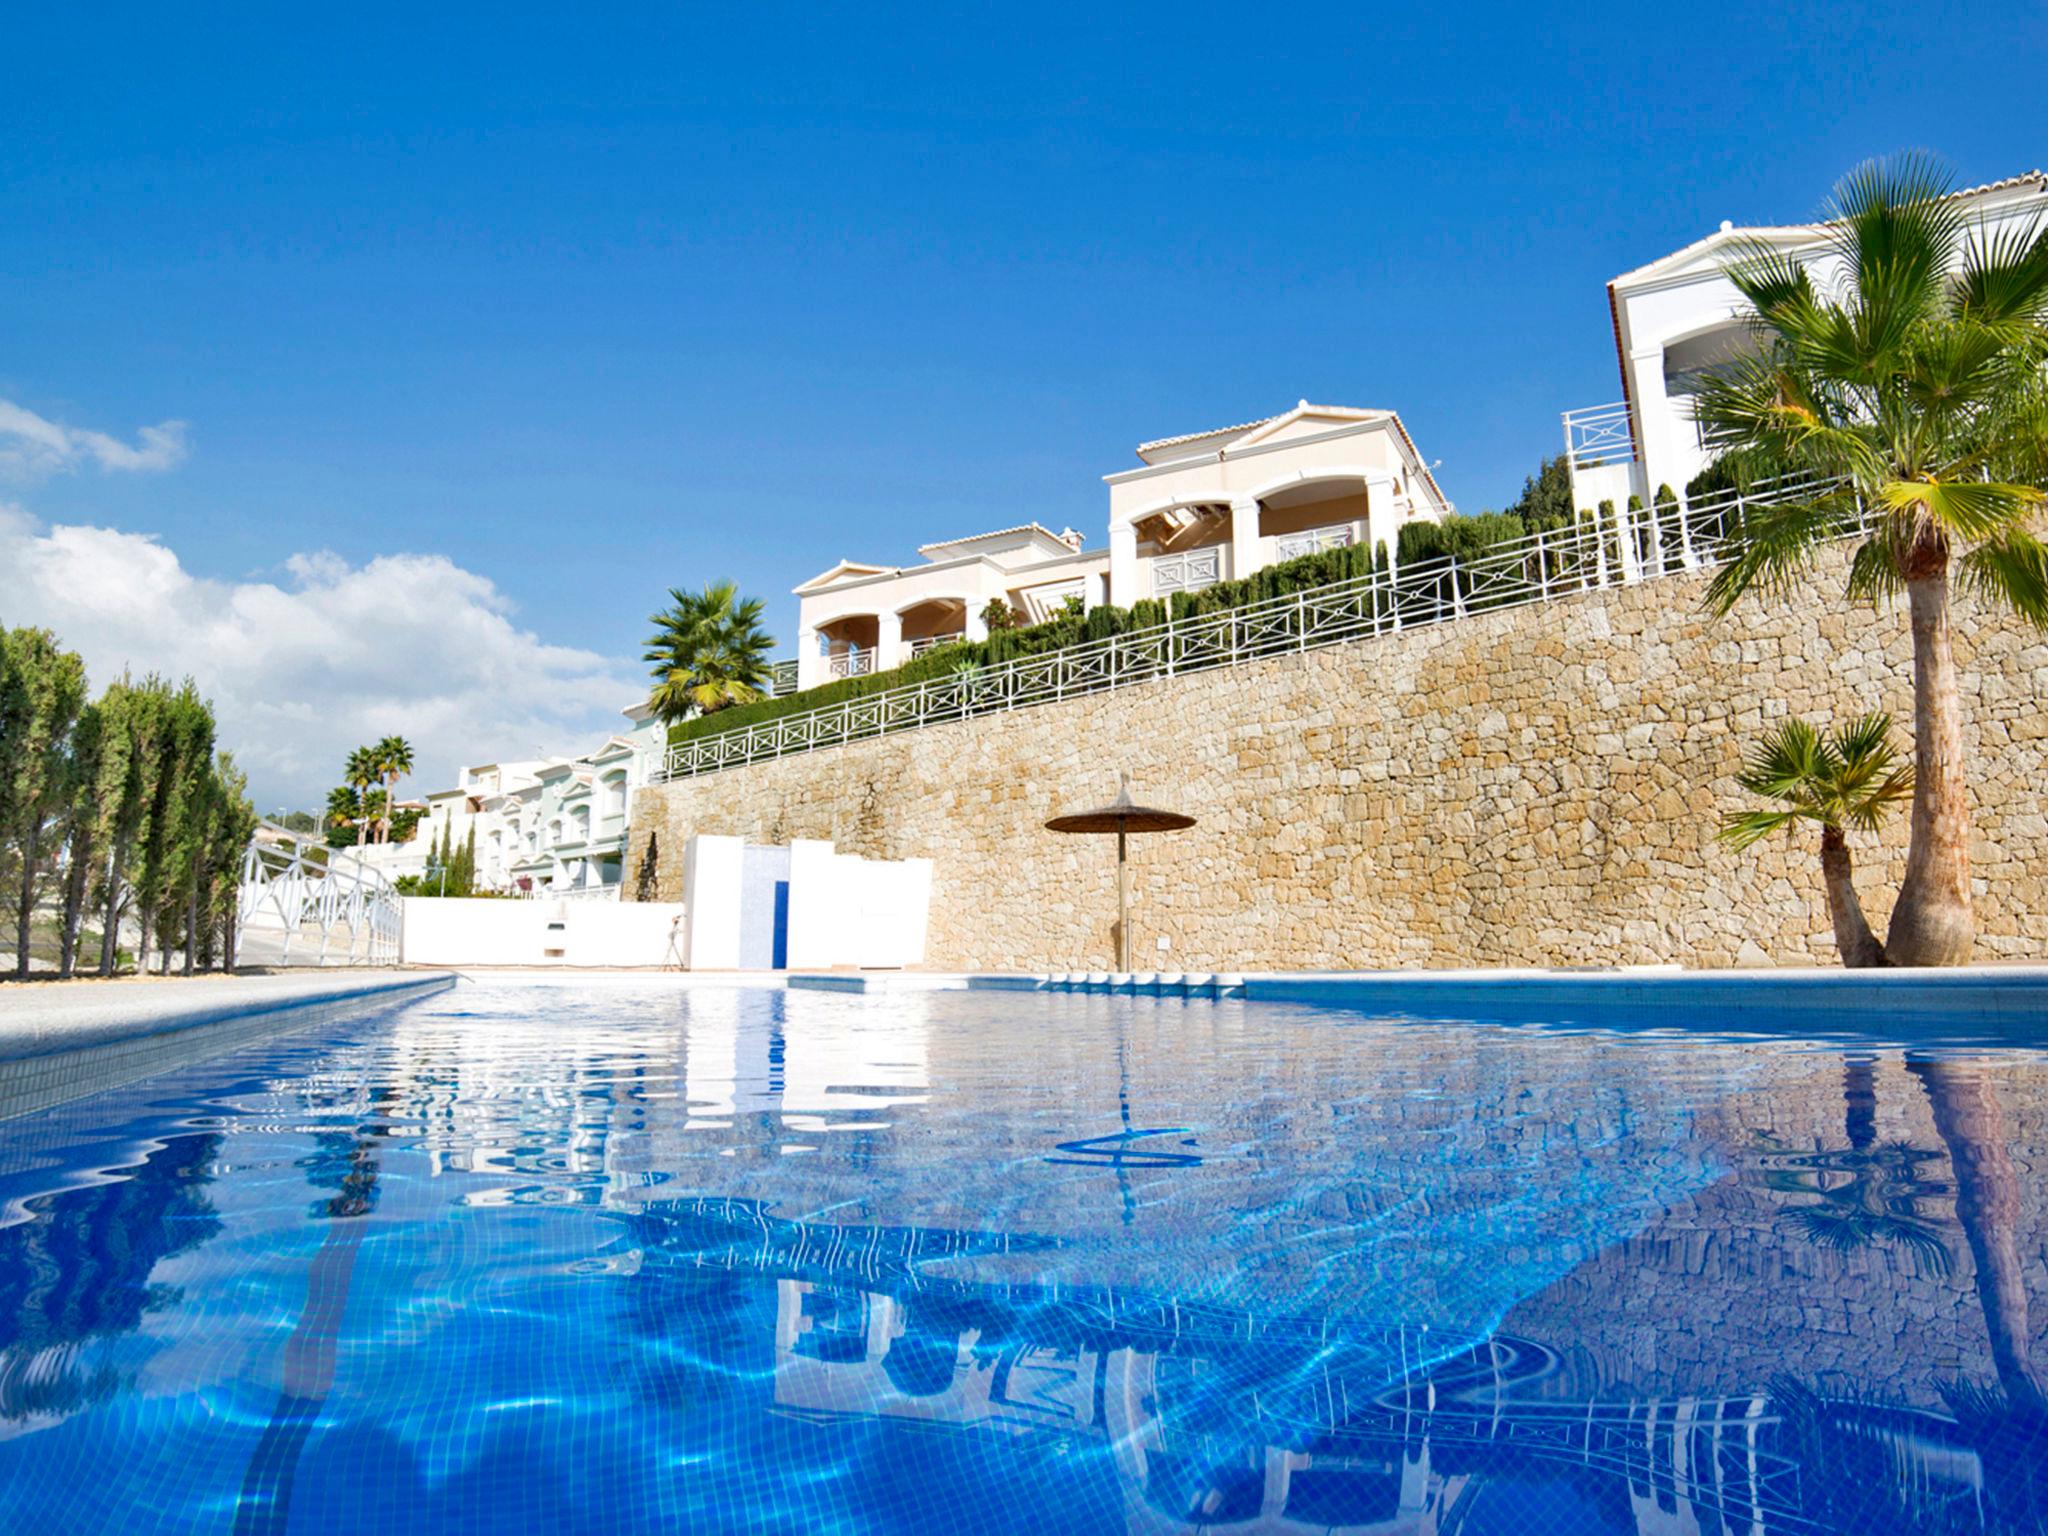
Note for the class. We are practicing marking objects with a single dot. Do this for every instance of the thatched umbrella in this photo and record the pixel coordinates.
(1122, 816)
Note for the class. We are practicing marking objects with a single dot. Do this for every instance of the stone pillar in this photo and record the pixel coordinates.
(888, 641)
(1244, 539)
(1123, 565)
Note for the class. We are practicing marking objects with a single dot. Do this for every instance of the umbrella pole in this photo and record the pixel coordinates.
(1123, 903)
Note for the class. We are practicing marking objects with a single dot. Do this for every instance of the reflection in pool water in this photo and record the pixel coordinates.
(624, 1257)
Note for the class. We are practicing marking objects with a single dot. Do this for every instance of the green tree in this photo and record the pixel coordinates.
(344, 806)
(394, 762)
(97, 767)
(42, 690)
(1846, 781)
(166, 850)
(135, 718)
(362, 773)
(1546, 499)
(1912, 387)
(708, 652)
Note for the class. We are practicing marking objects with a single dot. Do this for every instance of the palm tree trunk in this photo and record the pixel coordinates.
(1858, 945)
(1932, 923)
(1971, 1124)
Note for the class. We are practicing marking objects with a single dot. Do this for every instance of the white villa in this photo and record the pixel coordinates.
(1200, 508)
(543, 825)
(1678, 317)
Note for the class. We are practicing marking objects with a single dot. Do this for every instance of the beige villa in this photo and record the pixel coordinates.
(1199, 508)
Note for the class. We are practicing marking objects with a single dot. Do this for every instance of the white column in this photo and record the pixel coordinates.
(888, 641)
(977, 626)
(809, 667)
(1123, 565)
(1382, 518)
(1244, 539)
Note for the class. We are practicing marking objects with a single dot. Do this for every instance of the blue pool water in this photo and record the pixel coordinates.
(625, 1257)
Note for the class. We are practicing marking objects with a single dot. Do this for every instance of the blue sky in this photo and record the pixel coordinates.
(585, 304)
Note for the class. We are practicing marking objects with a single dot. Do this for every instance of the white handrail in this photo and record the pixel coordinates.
(1539, 567)
(297, 894)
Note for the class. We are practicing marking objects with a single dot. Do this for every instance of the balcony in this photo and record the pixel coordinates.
(1189, 571)
(1310, 541)
(925, 643)
(1600, 435)
(849, 663)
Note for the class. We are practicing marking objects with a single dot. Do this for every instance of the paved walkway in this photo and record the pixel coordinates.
(38, 1018)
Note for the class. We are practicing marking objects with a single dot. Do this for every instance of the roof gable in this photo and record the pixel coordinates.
(845, 570)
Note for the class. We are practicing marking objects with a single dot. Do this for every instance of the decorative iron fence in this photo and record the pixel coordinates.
(303, 903)
(1539, 567)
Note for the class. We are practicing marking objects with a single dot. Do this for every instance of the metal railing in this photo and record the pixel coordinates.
(1311, 541)
(781, 677)
(931, 642)
(849, 663)
(1189, 572)
(300, 902)
(1537, 568)
(1600, 434)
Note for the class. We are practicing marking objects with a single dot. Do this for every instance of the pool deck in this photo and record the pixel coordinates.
(2015, 993)
(43, 1018)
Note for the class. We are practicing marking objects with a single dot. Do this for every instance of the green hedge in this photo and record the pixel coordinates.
(1463, 537)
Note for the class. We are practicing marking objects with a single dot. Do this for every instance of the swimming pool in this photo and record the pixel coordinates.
(633, 1256)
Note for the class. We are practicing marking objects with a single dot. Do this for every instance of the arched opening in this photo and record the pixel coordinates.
(1312, 516)
(935, 621)
(847, 644)
(1691, 360)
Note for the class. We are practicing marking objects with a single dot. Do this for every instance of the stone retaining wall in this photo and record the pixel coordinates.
(1538, 786)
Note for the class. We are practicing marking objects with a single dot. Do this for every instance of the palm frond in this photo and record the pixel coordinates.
(1970, 510)
(1772, 547)
(1747, 828)
(2011, 569)
(1895, 230)
(2005, 274)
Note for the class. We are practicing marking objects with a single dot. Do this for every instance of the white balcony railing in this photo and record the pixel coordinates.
(1189, 571)
(1598, 435)
(1310, 541)
(932, 642)
(1540, 567)
(849, 663)
(781, 677)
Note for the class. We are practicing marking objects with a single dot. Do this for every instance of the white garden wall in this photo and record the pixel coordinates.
(541, 932)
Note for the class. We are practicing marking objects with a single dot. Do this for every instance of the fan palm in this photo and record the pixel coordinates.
(1845, 782)
(364, 772)
(1907, 381)
(708, 652)
(394, 761)
(344, 805)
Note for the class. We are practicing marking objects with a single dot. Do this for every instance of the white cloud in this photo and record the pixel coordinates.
(33, 446)
(302, 670)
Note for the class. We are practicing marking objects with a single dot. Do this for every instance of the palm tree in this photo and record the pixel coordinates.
(344, 805)
(1909, 386)
(708, 652)
(1845, 781)
(1991, 1209)
(364, 771)
(394, 761)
